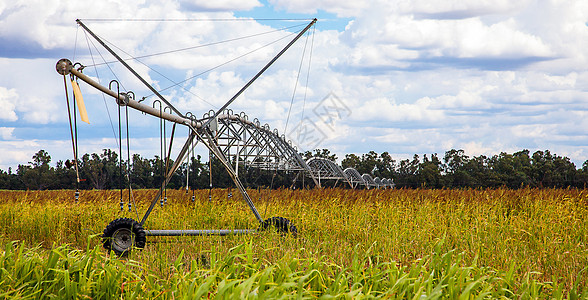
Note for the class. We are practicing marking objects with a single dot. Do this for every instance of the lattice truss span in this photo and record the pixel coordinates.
(324, 169)
(249, 143)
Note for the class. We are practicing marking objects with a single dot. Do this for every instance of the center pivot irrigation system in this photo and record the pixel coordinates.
(228, 136)
(122, 234)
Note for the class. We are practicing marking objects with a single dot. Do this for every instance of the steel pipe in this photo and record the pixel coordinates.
(64, 67)
(204, 232)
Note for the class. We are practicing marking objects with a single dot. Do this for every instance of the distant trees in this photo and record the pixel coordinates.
(457, 170)
(454, 170)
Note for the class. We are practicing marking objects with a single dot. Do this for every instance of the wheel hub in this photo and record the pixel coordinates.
(122, 239)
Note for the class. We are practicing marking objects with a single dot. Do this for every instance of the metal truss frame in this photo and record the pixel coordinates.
(354, 177)
(254, 145)
(205, 130)
(233, 138)
(369, 181)
(322, 168)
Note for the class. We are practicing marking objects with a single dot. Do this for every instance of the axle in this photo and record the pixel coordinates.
(221, 232)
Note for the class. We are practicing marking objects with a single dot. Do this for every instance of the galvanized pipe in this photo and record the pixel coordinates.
(64, 66)
(205, 232)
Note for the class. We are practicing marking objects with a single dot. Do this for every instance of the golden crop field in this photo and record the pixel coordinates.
(529, 243)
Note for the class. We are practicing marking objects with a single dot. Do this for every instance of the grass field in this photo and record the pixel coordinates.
(418, 244)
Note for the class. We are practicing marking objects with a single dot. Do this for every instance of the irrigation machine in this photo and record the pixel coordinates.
(232, 138)
(225, 134)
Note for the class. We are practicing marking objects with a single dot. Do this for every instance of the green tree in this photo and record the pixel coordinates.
(429, 172)
(65, 177)
(456, 175)
(407, 173)
(322, 153)
(102, 171)
(141, 172)
(552, 170)
(479, 174)
(38, 175)
(351, 161)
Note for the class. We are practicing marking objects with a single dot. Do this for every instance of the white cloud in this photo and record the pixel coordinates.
(460, 9)
(6, 133)
(35, 96)
(222, 5)
(429, 38)
(387, 110)
(17, 152)
(341, 8)
(8, 99)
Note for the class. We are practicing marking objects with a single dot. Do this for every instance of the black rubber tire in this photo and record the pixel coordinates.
(282, 225)
(121, 235)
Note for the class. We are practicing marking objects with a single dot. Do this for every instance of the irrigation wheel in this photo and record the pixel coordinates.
(121, 235)
(282, 225)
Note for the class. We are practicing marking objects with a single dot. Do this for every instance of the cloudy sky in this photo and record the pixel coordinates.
(407, 77)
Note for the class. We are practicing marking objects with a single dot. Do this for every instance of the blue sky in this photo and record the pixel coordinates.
(328, 21)
(414, 77)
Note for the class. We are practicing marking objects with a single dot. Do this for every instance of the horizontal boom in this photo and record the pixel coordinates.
(65, 67)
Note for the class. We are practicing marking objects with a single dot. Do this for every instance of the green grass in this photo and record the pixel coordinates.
(394, 243)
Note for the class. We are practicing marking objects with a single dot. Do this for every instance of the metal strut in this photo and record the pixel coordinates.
(260, 72)
(129, 67)
(213, 146)
(168, 176)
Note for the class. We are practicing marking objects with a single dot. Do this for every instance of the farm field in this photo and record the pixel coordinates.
(418, 244)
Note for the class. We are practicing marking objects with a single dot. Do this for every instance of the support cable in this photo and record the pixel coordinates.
(189, 20)
(296, 84)
(229, 192)
(199, 74)
(164, 160)
(137, 58)
(77, 193)
(221, 110)
(216, 67)
(130, 68)
(306, 87)
(103, 97)
(305, 93)
(209, 175)
(188, 172)
(131, 196)
(193, 174)
(167, 159)
(162, 157)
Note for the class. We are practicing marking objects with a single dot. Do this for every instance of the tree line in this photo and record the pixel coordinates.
(457, 170)
(453, 170)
